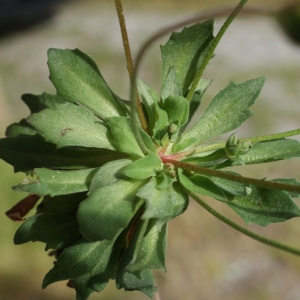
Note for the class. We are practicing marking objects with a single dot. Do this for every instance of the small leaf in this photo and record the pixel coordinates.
(149, 97)
(142, 281)
(264, 206)
(21, 209)
(123, 136)
(108, 210)
(56, 182)
(55, 230)
(185, 52)
(22, 127)
(228, 110)
(143, 168)
(77, 78)
(71, 125)
(163, 204)
(177, 109)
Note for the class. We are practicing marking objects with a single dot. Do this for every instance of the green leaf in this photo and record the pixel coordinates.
(264, 206)
(152, 249)
(108, 210)
(185, 52)
(55, 230)
(161, 123)
(228, 110)
(79, 259)
(26, 152)
(143, 168)
(291, 182)
(71, 125)
(123, 136)
(146, 251)
(56, 182)
(197, 97)
(22, 127)
(108, 173)
(272, 151)
(61, 203)
(36, 103)
(201, 185)
(177, 109)
(77, 78)
(142, 281)
(163, 204)
(171, 85)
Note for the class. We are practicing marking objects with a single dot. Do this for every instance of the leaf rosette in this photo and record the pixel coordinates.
(106, 202)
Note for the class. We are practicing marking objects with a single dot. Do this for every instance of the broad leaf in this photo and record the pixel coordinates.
(146, 251)
(272, 151)
(36, 103)
(55, 230)
(77, 78)
(163, 204)
(56, 182)
(108, 173)
(197, 97)
(228, 110)
(152, 250)
(171, 85)
(177, 109)
(201, 185)
(264, 206)
(108, 210)
(79, 259)
(26, 152)
(71, 125)
(123, 136)
(185, 52)
(143, 168)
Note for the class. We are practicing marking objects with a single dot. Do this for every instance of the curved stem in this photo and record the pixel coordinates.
(159, 34)
(219, 145)
(242, 229)
(212, 48)
(232, 177)
(272, 137)
(129, 62)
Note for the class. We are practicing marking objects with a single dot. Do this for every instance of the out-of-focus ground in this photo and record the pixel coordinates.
(206, 259)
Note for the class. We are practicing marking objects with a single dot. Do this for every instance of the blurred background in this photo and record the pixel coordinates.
(206, 259)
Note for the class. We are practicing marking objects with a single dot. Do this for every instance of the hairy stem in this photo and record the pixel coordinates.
(216, 146)
(129, 62)
(232, 177)
(242, 229)
(212, 48)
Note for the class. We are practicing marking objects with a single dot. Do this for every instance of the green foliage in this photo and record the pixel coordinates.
(106, 201)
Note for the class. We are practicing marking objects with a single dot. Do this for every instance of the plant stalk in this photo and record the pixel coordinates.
(232, 177)
(129, 62)
(212, 48)
(242, 229)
